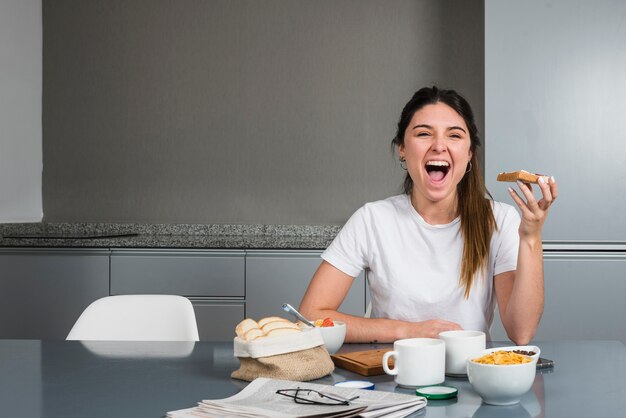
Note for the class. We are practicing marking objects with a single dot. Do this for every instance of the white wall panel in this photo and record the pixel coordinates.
(555, 103)
(20, 110)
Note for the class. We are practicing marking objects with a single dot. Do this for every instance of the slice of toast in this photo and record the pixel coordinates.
(521, 175)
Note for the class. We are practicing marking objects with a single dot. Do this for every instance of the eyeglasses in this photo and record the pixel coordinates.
(314, 397)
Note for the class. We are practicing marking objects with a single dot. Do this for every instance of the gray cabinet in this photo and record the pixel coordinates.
(584, 297)
(44, 291)
(217, 319)
(183, 272)
(277, 277)
(214, 281)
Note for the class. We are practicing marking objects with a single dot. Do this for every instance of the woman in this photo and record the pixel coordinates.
(441, 254)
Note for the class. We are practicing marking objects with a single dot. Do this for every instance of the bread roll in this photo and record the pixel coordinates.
(269, 319)
(253, 334)
(250, 330)
(521, 175)
(282, 331)
(278, 324)
(245, 326)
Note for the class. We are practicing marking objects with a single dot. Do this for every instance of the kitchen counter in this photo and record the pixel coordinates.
(217, 236)
(53, 271)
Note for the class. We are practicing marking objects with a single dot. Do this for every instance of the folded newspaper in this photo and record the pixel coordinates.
(260, 399)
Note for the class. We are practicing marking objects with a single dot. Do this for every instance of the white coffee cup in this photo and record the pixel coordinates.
(461, 345)
(417, 361)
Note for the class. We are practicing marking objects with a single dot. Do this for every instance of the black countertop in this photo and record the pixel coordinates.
(195, 236)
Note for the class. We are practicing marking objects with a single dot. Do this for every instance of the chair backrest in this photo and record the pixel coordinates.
(137, 318)
(368, 311)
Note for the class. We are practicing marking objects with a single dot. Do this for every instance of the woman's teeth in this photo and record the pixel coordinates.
(438, 163)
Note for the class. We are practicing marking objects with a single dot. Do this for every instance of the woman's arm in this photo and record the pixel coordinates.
(520, 293)
(328, 289)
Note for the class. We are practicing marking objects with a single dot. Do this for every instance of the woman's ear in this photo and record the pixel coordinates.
(401, 150)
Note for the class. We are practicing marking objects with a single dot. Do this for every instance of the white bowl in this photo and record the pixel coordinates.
(333, 336)
(501, 384)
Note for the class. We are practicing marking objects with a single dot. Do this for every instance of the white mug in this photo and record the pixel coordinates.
(417, 361)
(461, 345)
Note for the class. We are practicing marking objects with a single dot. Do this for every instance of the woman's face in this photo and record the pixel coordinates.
(437, 152)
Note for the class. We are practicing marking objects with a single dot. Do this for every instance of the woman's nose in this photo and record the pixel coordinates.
(439, 143)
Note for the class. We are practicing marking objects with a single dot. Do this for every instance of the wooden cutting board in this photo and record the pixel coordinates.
(365, 363)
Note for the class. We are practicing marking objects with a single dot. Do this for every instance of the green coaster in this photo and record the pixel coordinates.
(437, 392)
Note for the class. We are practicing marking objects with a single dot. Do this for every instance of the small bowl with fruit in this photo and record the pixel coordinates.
(333, 333)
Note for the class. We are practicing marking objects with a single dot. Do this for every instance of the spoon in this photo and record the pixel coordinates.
(288, 308)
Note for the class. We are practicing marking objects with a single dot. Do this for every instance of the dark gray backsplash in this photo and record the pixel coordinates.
(239, 111)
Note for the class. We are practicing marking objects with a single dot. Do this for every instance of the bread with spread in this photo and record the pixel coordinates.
(250, 330)
(521, 175)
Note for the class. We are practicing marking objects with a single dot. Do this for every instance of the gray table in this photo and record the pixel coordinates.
(130, 379)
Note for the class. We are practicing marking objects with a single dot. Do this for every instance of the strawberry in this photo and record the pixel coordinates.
(328, 322)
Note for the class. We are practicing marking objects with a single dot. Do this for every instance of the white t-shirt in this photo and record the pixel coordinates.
(414, 267)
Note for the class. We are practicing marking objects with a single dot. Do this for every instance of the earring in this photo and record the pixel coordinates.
(470, 168)
(403, 163)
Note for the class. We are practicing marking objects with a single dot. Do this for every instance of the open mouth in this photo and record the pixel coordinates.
(437, 170)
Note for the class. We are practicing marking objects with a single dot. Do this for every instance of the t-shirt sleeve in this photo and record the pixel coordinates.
(348, 250)
(508, 237)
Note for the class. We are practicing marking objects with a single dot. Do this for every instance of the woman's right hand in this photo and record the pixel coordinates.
(430, 328)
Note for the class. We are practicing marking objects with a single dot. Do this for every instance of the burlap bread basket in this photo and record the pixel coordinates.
(300, 356)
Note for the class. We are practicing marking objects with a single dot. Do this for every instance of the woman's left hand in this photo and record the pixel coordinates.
(534, 212)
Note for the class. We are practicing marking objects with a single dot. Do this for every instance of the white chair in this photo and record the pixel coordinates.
(137, 318)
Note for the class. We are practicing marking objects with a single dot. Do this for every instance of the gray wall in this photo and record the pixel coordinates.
(239, 111)
(20, 111)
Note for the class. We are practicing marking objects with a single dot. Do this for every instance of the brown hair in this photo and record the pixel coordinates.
(474, 201)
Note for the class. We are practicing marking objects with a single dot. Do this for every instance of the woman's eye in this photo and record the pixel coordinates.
(422, 134)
